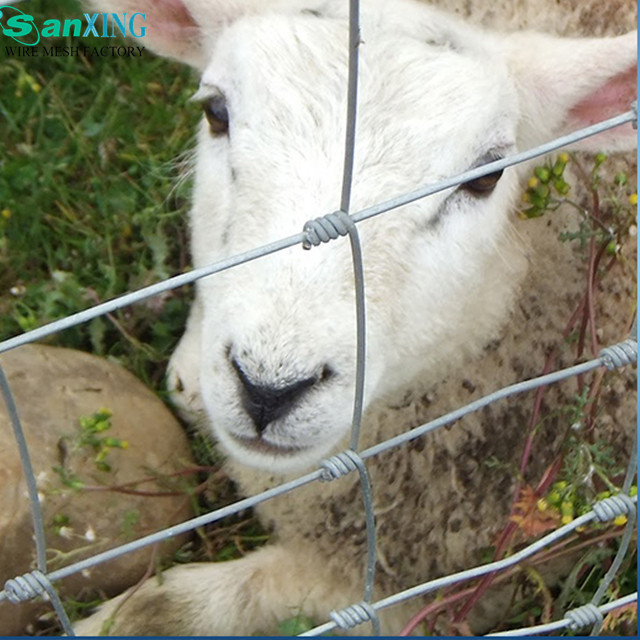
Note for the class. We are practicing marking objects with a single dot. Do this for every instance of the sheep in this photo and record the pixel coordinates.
(461, 295)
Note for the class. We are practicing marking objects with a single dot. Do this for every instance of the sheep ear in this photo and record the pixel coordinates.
(567, 84)
(184, 30)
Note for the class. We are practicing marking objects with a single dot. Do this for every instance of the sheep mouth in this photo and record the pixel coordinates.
(262, 446)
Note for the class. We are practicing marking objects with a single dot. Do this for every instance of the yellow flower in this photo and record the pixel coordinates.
(567, 518)
(620, 520)
(5, 213)
(542, 504)
(633, 199)
(533, 182)
(563, 157)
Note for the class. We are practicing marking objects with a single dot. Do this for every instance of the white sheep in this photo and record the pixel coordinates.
(269, 352)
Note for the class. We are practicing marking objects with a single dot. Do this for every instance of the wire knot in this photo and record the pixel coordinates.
(26, 587)
(619, 355)
(326, 228)
(340, 465)
(611, 508)
(584, 616)
(354, 615)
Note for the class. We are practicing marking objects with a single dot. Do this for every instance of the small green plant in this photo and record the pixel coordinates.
(92, 430)
(68, 478)
(547, 187)
(92, 435)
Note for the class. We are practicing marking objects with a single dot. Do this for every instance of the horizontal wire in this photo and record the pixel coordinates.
(267, 249)
(505, 392)
(496, 165)
(177, 529)
(147, 292)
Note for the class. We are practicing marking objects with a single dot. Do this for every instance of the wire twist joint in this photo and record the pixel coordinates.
(27, 587)
(583, 616)
(611, 508)
(354, 615)
(340, 465)
(326, 228)
(619, 355)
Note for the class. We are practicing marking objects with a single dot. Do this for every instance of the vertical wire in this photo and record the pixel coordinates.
(624, 542)
(36, 511)
(632, 468)
(358, 272)
(34, 501)
(345, 204)
(352, 104)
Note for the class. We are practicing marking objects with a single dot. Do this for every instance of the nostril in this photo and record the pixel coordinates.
(327, 373)
(266, 403)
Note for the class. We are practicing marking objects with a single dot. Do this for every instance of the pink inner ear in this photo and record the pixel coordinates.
(171, 18)
(609, 100)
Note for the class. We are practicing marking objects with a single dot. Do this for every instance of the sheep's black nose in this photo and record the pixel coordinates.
(265, 403)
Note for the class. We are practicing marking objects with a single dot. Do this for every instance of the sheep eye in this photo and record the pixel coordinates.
(215, 110)
(484, 185)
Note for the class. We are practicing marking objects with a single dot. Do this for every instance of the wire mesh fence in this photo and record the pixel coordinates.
(343, 222)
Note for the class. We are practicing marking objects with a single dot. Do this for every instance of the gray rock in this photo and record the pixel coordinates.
(53, 389)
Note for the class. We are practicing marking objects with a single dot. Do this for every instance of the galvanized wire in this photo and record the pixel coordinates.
(349, 460)
(334, 468)
(625, 542)
(40, 583)
(177, 529)
(29, 475)
(352, 105)
(566, 622)
(32, 585)
(480, 403)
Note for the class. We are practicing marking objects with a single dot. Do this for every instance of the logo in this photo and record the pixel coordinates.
(22, 27)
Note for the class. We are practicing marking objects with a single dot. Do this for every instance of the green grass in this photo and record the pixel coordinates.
(91, 205)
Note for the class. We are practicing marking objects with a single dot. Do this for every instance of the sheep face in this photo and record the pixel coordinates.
(277, 361)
